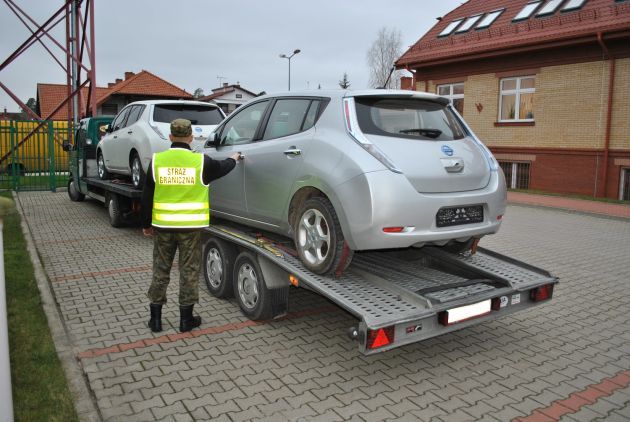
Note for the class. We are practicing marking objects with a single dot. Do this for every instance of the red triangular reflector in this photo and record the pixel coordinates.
(381, 339)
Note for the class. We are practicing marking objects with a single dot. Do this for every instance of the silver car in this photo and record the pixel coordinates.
(344, 171)
(142, 128)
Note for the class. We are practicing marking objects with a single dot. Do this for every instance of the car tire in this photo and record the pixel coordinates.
(318, 238)
(73, 192)
(250, 289)
(137, 172)
(103, 174)
(115, 211)
(218, 267)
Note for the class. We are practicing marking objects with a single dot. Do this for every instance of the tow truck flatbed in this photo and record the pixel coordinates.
(398, 296)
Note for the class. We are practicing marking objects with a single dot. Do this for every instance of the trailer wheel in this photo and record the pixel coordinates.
(73, 192)
(318, 237)
(249, 285)
(114, 210)
(218, 268)
(103, 174)
(137, 173)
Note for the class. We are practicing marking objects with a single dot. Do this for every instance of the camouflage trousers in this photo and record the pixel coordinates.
(164, 246)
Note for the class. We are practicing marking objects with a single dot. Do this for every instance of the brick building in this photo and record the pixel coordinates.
(546, 84)
(139, 86)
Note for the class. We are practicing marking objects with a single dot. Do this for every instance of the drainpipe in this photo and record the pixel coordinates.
(611, 84)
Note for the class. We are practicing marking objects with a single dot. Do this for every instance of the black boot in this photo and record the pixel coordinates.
(186, 319)
(155, 323)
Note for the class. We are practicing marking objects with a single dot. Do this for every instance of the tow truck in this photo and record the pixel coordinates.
(398, 296)
(119, 196)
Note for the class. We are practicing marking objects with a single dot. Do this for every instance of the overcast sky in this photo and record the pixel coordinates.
(193, 42)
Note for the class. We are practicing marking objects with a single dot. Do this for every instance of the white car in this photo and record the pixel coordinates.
(142, 128)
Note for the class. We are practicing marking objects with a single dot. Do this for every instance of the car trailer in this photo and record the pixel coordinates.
(398, 296)
(121, 199)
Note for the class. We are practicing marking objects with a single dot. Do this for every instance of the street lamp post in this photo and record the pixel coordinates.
(284, 56)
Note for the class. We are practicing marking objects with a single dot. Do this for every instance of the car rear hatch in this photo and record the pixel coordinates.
(204, 117)
(425, 141)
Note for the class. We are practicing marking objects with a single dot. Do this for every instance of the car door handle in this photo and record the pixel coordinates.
(293, 151)
(130, 132)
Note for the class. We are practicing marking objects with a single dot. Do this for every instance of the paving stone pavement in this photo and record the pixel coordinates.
(566, 360)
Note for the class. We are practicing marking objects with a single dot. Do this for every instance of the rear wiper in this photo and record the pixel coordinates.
(431, 133)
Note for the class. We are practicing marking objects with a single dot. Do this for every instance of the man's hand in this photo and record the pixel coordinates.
(236, 156)
(148, 232)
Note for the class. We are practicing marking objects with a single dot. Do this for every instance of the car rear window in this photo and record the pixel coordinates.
(409, 118)
(197, 114)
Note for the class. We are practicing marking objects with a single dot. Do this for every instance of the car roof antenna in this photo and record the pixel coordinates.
(388, 77)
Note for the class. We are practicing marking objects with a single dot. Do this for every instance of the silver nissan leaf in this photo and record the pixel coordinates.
(344, 171)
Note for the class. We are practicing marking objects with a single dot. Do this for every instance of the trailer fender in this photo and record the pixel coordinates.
(277, 282)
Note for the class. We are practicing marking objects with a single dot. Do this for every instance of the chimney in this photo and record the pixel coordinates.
(110, 84)
(118, 80)
(128, 75)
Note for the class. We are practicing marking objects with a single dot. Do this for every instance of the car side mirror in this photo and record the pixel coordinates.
(213, 141)
(108, 128)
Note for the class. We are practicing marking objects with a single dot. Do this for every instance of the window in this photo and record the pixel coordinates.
(241, 128)
(573, 5)
(197, 114)
(470, 22)
(516, 174)
(516, 102)
(239, 95)
(109, 109)
(450, 27)
(286, 118)
(311, 115)
(119, 121)
(134, 114)
(455, 94)
(549, 8)
(489, 19)
(408, 118)
(527, 11)
(624, 185)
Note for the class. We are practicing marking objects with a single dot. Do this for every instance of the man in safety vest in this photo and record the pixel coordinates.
(174, 207)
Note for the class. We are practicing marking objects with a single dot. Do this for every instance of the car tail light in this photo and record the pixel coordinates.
(381, 337)
(355, 133)
(158, 131)
(393, 229)
(499, 217)
(541, 293)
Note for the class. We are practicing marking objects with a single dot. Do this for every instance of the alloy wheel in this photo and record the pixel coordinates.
(314, 236)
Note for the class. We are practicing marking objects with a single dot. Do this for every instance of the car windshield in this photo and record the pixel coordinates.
(197, 114)
(410, 118)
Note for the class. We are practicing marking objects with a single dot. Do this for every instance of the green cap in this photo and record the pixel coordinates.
(181, 128)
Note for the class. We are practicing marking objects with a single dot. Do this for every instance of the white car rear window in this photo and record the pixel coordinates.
(197, 114)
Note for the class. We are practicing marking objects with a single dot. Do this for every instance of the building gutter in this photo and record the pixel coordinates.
(611, 85)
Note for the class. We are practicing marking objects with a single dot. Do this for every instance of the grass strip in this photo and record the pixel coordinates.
(40, 390)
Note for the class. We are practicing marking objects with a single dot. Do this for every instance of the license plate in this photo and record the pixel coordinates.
(455, 216)
(464, 313)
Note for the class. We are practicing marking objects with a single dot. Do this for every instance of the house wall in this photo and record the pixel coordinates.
(565, 144)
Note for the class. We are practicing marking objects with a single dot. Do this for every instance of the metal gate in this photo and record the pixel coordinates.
(35, 162)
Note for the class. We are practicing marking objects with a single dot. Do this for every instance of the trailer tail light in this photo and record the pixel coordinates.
(541, 293)
(380, 338)
(464, 313)
(293, 280)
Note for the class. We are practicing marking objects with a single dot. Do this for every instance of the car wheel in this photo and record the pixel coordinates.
(73, 192)
(103, 174)
(115, 211)
(318, 238)
(137, 173)
(251, 291)
(218, 268)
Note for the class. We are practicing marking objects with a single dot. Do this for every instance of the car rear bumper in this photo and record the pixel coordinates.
(376, 200)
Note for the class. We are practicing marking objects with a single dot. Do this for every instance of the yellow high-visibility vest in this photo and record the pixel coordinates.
(181, 199)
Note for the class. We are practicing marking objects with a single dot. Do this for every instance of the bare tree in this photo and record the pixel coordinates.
(385, 50)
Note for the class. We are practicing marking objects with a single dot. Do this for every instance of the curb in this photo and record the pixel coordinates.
(570, 211)
(84, 400)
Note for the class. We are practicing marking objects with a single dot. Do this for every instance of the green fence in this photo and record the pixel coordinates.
(36, 162)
